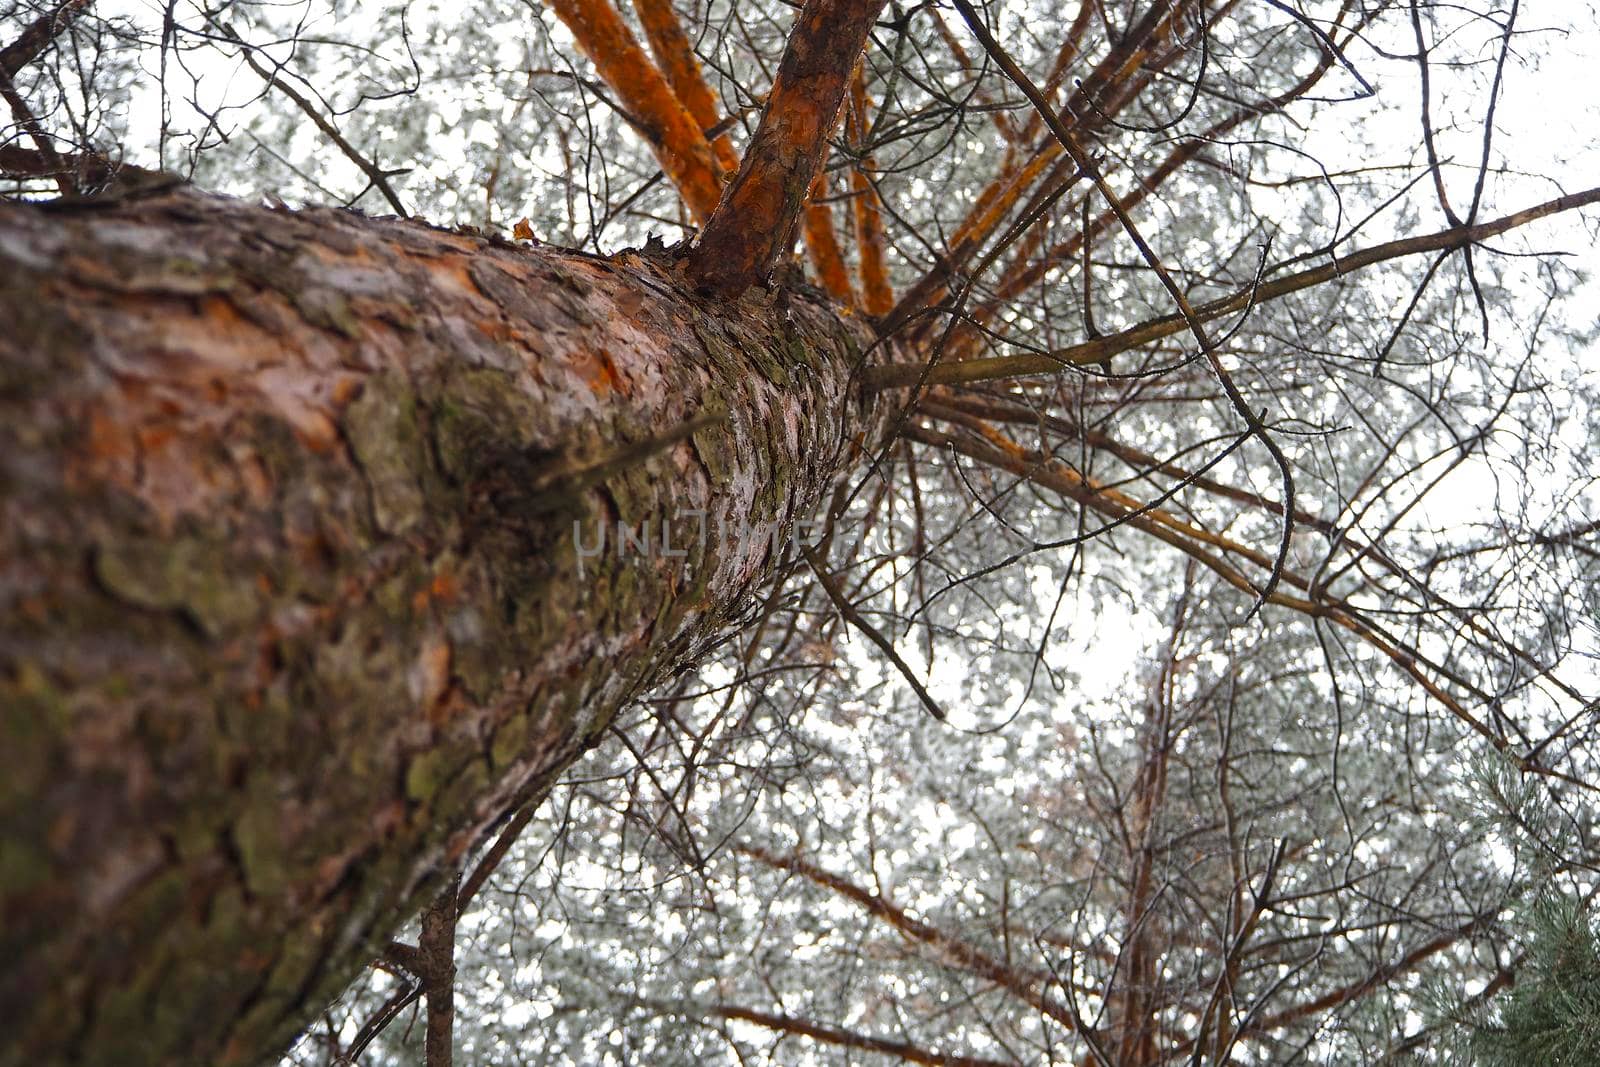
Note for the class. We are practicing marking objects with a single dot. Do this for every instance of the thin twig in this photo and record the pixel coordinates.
(854, 618)
(375, 174)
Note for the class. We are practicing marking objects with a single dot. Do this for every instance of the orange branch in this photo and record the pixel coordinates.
(1100, 95)
(822, 244)
(755, 223)
(878, 296)
(1071, 48)
(993, 206)
(678, 62)
(677, 140)
(1001, 452)
(1001, 120)
(1029, 267)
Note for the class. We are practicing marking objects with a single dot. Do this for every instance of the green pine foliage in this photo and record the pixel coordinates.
(1550, 1016)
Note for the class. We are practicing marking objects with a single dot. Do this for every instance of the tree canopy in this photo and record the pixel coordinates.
(1201, 671)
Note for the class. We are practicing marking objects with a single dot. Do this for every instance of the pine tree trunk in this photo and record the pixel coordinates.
(299, 587)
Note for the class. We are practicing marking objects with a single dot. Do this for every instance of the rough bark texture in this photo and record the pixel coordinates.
(291, 609)
(754, 224)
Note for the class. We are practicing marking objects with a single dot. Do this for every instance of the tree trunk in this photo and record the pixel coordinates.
(300, 591)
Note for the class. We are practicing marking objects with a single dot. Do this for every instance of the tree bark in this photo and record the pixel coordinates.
(754, 223)
(299, 588)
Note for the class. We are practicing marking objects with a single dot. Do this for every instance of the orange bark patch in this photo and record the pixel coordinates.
(255, 478)
(153, 438)
(220, 309)
(430, 674)
(345, 389)
(108, 439)
(495, 329)
(605, 378)
(315, 429)
(445, 586)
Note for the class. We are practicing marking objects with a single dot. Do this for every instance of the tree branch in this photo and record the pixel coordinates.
(876, 295)
(755, 222)
(36, 37)
(274, 79)
(828, 1035)
(1087, 353)
(674, 135)
(672, 50)
(854, 617)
